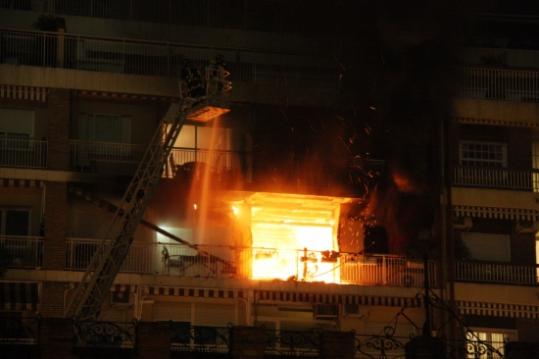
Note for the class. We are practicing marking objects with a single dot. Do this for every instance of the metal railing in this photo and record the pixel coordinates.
(101, 334)
(230, 262)
(219, 160)
(384, 270)
(132, 56)
(21, 251)
(22, 152)
(159, 258)
(187, 338)
(502, 273)
(18, 331)
(500, 84)
(493, 178)
(85, 154)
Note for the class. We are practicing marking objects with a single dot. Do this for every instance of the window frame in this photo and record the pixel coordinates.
(3, 220)
(508, 335)
(484, 162)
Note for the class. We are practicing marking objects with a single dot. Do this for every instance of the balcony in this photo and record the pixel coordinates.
(220, 161)
(21, 251)
(94, 156)
(162, 59)
(502, 178)
(498, 273)
(22, 152)
(500, 84)
(203, 261)
(122, 158)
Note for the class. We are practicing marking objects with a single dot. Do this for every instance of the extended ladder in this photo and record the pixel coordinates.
(95, 285)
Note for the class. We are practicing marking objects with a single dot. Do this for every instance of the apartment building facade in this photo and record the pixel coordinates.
(493, 186)
(78, 105)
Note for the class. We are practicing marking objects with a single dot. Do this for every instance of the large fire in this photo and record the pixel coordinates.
(292, 236)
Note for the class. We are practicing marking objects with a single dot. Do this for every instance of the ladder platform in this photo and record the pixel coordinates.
(207, 112)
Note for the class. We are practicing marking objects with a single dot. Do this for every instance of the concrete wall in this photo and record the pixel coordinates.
(56, 212)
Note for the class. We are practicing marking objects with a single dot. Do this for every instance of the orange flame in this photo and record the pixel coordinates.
(289, 234)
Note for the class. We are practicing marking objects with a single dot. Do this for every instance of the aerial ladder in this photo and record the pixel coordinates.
(94, 288)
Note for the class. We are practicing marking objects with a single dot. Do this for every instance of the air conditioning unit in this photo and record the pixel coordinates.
(326, 311)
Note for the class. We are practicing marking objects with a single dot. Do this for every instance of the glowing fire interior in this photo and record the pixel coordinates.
(289, 235)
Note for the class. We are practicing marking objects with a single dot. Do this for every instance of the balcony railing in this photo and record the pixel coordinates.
(86, 154)
(384, 270)
(229, 262)
(493, 178)
(132, 56)
(22, 152)
(220, 161)
(18, 331)
(502, 273)
(500, 84)
(21, 251)
(159, 258)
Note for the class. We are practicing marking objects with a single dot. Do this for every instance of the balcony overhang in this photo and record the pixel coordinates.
(119, 85)
(494, 203)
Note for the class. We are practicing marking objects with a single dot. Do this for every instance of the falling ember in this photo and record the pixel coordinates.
(291, 236)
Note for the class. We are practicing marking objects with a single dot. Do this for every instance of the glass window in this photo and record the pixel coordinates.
(486, 344)
(15, 222)
(488, 246)
(104, 128)
(483, 154)
(17, 122)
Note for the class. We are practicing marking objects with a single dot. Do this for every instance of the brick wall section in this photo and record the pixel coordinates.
(56, 210)
(153, 340)
(51, 301)
(58, 113)
(337, 345)
(56, 338)
(247, 343)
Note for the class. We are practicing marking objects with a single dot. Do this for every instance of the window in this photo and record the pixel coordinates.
(486, 344)
(483, 154)
(204, 144)
(16, 123)
(14, 222)
(104, 128)
(104, 137)
(488, 246)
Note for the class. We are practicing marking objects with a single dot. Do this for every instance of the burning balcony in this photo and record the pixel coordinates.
(291, 236)
(264, 237)
(249, 263)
